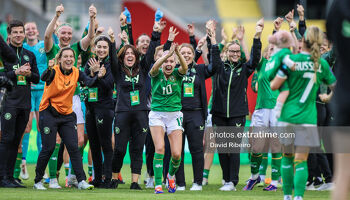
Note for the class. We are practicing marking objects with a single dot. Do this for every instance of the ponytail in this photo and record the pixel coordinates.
(313, 38)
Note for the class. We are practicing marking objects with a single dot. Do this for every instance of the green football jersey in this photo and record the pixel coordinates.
(166, 93)
(266, 97)
(300, 106)
(274, 63)
(77, 50)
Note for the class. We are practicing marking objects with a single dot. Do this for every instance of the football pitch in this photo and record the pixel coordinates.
(210, 191)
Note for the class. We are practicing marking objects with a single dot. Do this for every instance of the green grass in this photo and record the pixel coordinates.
(209, 192)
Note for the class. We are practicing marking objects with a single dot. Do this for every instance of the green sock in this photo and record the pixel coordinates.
(263, 164)
(66, 169)
(81, 150)
(90, 170)
(174, 166)
(287, 171)
(276, 166)
(53, 162)
(206, 173)
(158, 168)
(255, 161)
(18, 163)
(300, 178)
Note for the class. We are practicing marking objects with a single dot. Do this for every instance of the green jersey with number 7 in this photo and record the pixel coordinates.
(300, 106)
(166, 93)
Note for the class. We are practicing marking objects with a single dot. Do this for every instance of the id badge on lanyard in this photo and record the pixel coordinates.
(93, 95)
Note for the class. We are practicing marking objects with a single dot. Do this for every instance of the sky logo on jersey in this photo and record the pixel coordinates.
(346, 28)
(133, 79)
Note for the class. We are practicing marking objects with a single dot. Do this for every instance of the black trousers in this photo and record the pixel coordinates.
(149, 145)
(65, 125)
(229, 162)
(129, 126)
(318, 162)
(13, 124)
(193, 123)
(99, 130)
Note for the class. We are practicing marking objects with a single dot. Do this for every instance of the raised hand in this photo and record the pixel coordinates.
(259, 28)
(277, 23)
(289, 17)
(172, 33)
(234, 33)
(92, 11)
(110, 33)
(212, 37)
(162, 25)
(300, 10)
(100, 30)
(122, 19)
(59, 10)
(240, 32)
(190, 29)
(124, 37)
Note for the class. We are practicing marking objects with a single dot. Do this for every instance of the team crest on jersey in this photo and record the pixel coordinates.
(26, 58)
(42, 50)
(172, 79)
(8, 116)
(46, 130)
(116, 130)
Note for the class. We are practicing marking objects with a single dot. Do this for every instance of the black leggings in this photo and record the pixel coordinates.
(13, 124)
(229, 162)
(99, 130)
(129, 126)
(193, 123)
(65, 125)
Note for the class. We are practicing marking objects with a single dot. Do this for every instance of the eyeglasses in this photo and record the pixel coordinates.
(233, 51)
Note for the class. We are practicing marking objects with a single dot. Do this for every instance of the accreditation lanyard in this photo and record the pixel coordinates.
(21, 80)
(134, 94)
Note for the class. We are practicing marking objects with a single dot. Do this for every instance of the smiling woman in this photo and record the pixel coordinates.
(56, 113)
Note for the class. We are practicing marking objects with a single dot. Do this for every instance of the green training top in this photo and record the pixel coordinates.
(300, 106)
(166, 93)
(266, 97)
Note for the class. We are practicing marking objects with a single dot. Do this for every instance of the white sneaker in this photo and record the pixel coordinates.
(205, 181)
(54, 184)
(196, 187)
(287, 197)
(298, 198)
(181, 188)
(311, 187)
(150, 183)
(24, 172)
(228, 187)
(72, 181)
(223, 182)
(326, 187)
(83, 185)
(39, 186)
(45, 176)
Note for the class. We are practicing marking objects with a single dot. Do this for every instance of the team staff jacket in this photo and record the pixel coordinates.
(138, 85)
(230, 84)
(199, 72)
(60, 87)
(105, 85)
(20, 96)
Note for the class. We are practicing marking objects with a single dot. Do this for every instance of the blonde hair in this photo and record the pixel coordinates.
(313, 39)
(188, 46)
